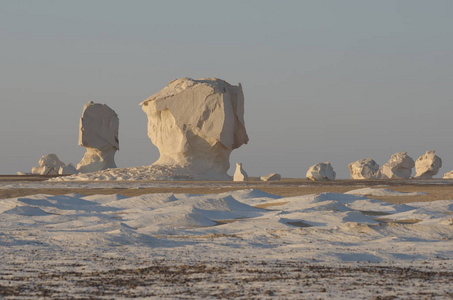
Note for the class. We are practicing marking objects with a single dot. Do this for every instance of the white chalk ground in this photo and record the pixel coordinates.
(151, 172)
(325, 246)
(381, 192)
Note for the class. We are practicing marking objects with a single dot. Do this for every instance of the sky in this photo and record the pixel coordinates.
(333, 81)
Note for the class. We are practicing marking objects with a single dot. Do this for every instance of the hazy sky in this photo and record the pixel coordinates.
(330, 81)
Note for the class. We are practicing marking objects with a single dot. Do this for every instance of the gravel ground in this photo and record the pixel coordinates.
(224, 279)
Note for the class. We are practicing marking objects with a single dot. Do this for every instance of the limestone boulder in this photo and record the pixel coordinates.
(448, 175)
(240, 174)
(70, 169)
(196, 124)
(427, 165)
(48, 165)
(271, 177)
(98, 133)
(321, 171)
(364, 169)
(398, 167)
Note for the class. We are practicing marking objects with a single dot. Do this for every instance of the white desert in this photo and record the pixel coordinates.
(183, 228)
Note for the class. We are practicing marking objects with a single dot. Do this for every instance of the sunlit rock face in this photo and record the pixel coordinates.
(398, 167)
(427, 165)
(98, 133)
(448, 175)
(240, 174)
(271, 177)
(196, 124)
(321, 172)
(364, 169)
(48, 165)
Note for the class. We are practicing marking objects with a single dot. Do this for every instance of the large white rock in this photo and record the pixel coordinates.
(427, 165)
(98, 133)
(48, 165)
(271, 177)
(398, 167)
(321, 171)
(196, 124)
(364, 169)
(240, 174)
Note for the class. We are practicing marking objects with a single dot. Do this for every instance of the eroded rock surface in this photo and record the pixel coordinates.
(399, 166)
(448, 175)
(271, 177)
(98, 133)
(196, 124)
(427, 165)
(70, 169)
(321, 171)
(240, 174)
(48, 165)
(364, 169)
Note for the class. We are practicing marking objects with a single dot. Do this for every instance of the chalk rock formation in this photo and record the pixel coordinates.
(98, 133)
(196, 124)
(364, 169)
(427, 165)
(48, 165)
(448, 175)
(321, 171)
(240, 174)
(271, 177)
(398, 167)
(68, 170)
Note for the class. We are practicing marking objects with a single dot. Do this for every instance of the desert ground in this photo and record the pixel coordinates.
(394, 260)
(440, 189)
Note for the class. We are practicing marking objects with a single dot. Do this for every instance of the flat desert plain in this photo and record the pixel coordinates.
(288, 239)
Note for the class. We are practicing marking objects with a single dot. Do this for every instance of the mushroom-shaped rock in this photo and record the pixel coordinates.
(321, 171)
(98, 133)
(196, 124)
(364, 169)
(48, 165)
(240, 174)
(271, 177)
(398, 167)
(448, 175)
(427, 165)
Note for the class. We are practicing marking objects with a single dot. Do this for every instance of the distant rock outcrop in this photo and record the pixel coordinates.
(364, 169)
(398, 167)
(448, 175)
(321, 171)
(271, 177)
(49, 164)
(98, 133)
(196, 124)
(68, 170)
(240, 174)
(427, 165)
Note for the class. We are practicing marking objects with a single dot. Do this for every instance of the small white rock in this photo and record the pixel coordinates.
(364, 169)
(48, 165)
(448, 175)
(68, 170)
(427, 165)
(240, 174)
(271, 177)
(321, 171)
(398, 167)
